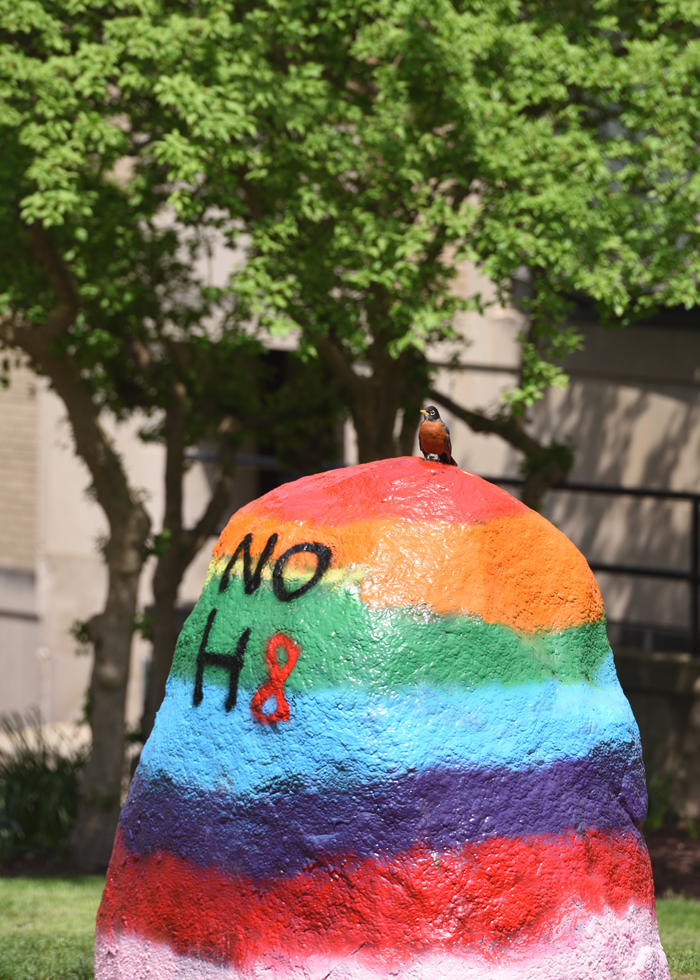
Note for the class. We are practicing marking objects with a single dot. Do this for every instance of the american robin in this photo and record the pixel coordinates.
(434, 436)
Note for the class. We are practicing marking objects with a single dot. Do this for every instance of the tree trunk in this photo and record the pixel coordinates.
(169, 567)
(164, 638)
(376, 398)
(111, 633)
(374, 412)
(395, 383)
(129, 524)
(177, 546)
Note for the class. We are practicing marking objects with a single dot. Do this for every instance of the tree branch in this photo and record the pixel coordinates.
(61, 281)
(333, 355)
(175, 439)
(92, 444)
(205, 527)
(504, 426)
(544, 466)
(196, 537)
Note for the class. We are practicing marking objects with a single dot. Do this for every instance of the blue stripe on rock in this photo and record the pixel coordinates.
(342, 738)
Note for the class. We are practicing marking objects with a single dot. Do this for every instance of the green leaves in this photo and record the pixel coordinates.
(356, 151)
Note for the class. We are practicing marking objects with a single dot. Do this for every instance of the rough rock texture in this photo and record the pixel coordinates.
(393, 745)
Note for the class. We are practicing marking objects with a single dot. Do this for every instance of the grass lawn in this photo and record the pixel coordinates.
(47, 927)
(679, 928)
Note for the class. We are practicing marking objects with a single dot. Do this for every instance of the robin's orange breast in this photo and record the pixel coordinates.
(432, 437)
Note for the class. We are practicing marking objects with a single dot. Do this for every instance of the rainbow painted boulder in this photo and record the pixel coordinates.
(393, 745)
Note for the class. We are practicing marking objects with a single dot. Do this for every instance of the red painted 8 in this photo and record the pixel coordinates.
(277, 675)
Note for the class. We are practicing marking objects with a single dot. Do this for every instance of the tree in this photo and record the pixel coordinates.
(93, 285)
(138, 335)
(218, 392)
(42, 308)
(361, 150)
(382, 143)
(355, 152)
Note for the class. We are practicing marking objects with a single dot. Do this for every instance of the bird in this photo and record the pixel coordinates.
(434, 436)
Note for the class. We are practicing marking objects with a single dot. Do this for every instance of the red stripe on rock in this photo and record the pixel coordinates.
(484, 897)
(405, 487)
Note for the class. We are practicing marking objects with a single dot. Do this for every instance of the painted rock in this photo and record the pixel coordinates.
(393, 745)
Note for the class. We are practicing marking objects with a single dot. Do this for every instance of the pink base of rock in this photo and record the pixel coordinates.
(606, 947)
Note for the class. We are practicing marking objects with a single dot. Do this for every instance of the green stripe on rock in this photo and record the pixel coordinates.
(345, 642)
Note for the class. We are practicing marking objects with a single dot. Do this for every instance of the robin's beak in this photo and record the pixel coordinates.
(423, 411)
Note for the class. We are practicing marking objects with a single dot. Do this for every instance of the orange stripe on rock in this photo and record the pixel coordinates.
(518, 571)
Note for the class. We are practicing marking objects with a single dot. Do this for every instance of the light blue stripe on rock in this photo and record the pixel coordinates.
(343, 738)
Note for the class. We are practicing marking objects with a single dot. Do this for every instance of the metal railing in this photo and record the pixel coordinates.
(691, 575)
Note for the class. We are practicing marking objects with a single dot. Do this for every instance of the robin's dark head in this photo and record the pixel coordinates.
(431, 413)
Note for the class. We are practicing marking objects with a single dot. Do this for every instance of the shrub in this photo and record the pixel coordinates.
(38, 788)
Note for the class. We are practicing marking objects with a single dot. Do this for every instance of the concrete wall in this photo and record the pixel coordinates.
(22, 669)
(632, 414)
(632, 411)
(51, 570)
(19, 435)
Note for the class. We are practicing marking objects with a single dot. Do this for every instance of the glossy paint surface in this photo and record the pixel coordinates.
(600, 948)
(393, 744)
(348, 643)
(489, 727)
(489, 897)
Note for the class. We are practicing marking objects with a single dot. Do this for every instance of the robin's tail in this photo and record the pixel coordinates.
(447, 459)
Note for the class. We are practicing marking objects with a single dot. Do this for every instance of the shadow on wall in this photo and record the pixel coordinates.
(633, 437)
(643, 436)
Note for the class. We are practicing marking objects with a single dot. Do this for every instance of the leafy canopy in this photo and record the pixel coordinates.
(357, 149)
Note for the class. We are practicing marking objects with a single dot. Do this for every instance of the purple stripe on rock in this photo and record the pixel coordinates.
(284, 832)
